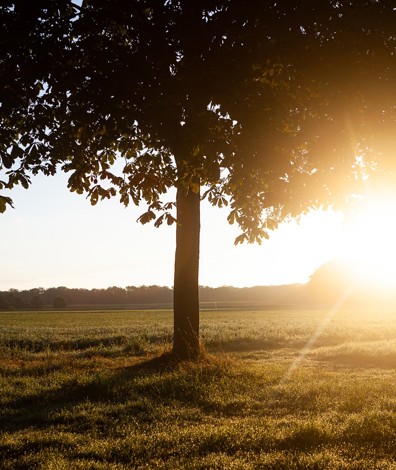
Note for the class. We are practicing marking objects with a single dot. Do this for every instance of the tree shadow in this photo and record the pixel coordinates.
(157, 364)
(147, 384)
(36, 410)
(169, 381)
(242, 344)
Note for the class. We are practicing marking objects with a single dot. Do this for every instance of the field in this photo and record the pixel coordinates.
(83, 390)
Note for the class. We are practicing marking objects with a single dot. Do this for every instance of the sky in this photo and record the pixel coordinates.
(56, 238)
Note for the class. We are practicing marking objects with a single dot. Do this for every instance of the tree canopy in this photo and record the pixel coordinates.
(271, 108)
(247, 100)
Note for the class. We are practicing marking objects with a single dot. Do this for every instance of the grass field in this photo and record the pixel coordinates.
(79, 390)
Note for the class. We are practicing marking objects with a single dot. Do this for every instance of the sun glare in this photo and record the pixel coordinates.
(371, 241)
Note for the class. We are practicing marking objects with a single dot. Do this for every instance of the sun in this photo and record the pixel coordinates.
(370, 240)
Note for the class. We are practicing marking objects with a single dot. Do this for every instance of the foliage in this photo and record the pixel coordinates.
(60, 297)
(75, 395)
(59, 302)
(36, 302)
(291, 91)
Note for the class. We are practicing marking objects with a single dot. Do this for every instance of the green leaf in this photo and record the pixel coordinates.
(146, 217)
(16, 152)
(231, 217)
(93, 197)
(7, 160)
(24, 181)
(223, 201)
(124, 199)
(159, 221)
(4, 201)
(170, 219)
(240, 239)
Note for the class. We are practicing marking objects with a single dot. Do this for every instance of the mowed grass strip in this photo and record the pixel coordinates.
(85, 390)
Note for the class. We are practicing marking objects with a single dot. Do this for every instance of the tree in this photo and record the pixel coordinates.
(241, 103)
(59, 302)
(37, 302)
(332, 281)
(351, 282)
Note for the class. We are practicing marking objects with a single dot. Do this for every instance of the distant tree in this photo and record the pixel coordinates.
(259, 105)
(14, 299)
(352, 282)
(331, 281)
(5, 304)
(59, 302)
(115, 295)
(51, 293)
(37, 302)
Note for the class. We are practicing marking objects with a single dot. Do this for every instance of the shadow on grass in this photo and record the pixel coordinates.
(360, 360)
(93, 405)
(146, 384)
(364, 354)
(248, 344)
(163, 363)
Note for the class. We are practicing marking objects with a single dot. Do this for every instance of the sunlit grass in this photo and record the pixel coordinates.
(78, 390)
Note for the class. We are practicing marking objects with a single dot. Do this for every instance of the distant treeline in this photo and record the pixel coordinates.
(62, 297)
(334, 282)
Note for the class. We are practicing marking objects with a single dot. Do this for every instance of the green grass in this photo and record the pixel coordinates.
(81, 390)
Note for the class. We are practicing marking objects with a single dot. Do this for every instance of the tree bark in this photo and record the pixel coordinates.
(186, 295)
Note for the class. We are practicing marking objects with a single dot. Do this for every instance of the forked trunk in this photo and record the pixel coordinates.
(186, 296)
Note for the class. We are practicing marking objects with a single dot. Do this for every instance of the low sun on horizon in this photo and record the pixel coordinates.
(370, 243)
(365, 265)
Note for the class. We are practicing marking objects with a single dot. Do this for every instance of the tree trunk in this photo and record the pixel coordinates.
(186, 295)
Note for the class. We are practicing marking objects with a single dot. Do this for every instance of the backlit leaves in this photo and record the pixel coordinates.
(146, 217)
(159, 207)
(4, 202)
(263, 105)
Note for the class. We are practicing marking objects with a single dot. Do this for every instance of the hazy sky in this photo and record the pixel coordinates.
(56, 238)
